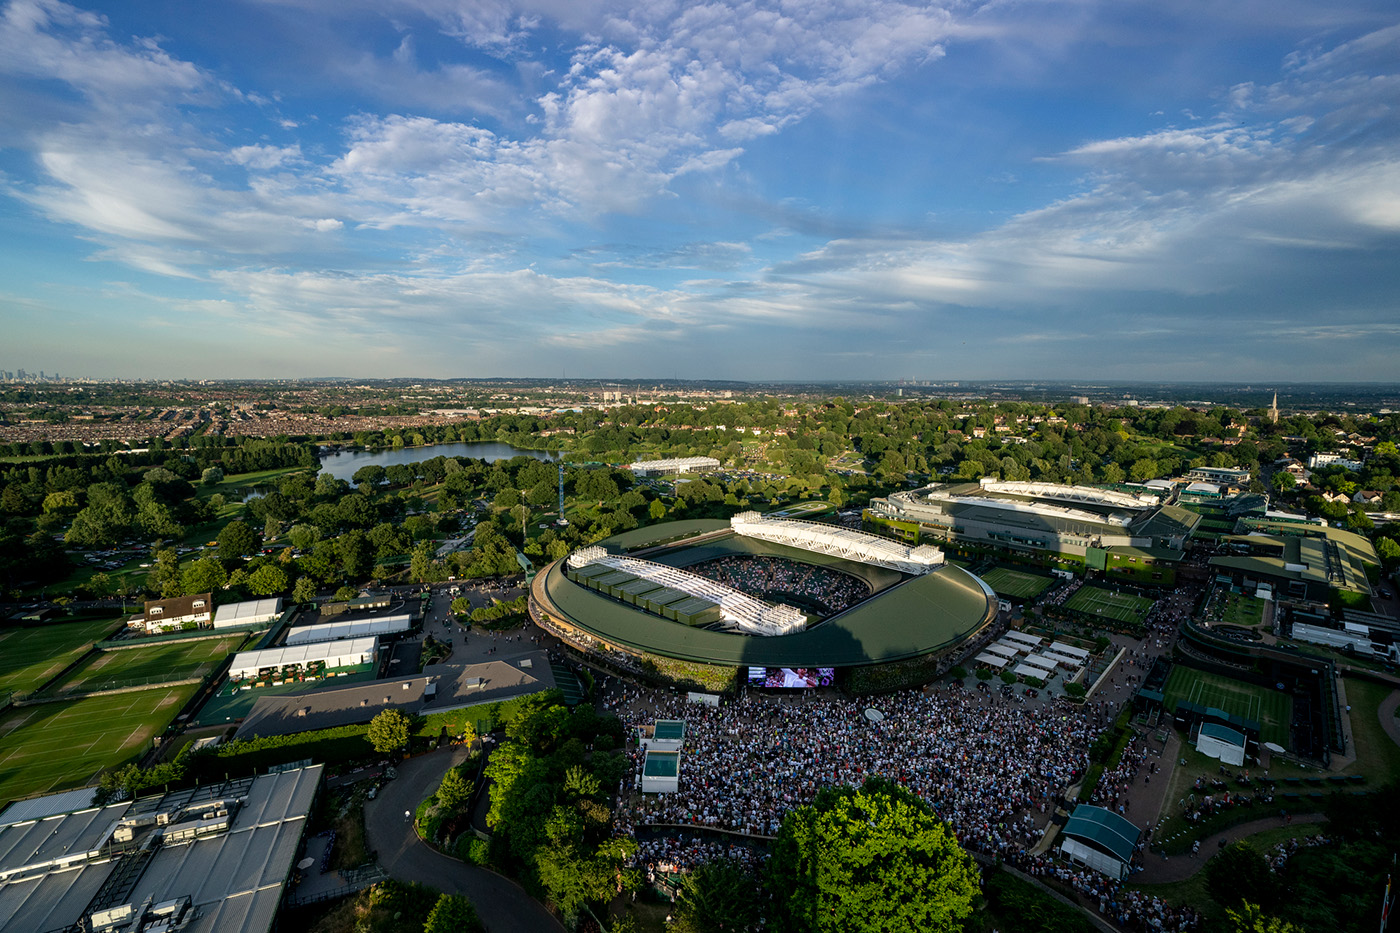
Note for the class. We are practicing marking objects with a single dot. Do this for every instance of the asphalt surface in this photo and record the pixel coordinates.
(503, 905)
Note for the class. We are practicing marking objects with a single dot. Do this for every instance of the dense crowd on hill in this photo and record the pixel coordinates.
(986, 767)
(777, 579)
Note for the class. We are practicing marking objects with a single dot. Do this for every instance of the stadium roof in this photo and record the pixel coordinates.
(836, 541)
(233, 877)
(909, 619)
(1169, 521)
(68, 801)
(1104, 830)
(1309, 553)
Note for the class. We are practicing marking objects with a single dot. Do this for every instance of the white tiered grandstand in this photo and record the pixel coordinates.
(840, 542)
(738, 610)
(674, 465)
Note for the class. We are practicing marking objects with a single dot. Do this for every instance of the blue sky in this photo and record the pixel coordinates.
(739, 190)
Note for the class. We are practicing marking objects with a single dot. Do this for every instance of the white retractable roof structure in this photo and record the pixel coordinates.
(839, 542)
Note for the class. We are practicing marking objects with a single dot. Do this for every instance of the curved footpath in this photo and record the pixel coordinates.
(1386, 713)
(503, 905)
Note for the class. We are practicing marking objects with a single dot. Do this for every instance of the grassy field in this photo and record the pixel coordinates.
(166, 662)
(1107, 604)
(57, 746)
(30, 656)
(1016, 584)
(1272, 709)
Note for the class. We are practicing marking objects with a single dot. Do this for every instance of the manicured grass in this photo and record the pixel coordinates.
(1377, 755)
(30, 656)
(1108, 604)
(1015, 583)
(1272, 709)
(163, 662)
(58, 746)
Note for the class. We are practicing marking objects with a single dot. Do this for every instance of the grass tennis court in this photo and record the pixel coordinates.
(1272, 709)
(57, 746)
(1015, 584)
(1107, 604)
(166, 662)
(30, 656)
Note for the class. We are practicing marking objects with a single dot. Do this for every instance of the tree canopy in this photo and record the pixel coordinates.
(873, 858)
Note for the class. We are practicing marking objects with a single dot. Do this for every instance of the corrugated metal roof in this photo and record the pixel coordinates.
(69, 801)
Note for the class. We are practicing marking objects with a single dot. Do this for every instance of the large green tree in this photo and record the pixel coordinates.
(718, 897)
(236, 540)
(873, 858)
(453, 913)
(388, 731)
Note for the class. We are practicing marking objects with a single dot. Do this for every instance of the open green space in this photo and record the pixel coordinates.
(150, 663)
(58, 746)
(1109, 604)
(30, 656)
(1377, 755)
(1016, 584)
(1272, 709)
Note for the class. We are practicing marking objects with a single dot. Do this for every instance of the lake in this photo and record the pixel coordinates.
(343, 464)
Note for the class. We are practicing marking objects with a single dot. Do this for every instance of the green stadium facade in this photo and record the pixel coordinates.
(1103, 528)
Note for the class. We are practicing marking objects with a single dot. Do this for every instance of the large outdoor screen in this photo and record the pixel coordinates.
(798, 677)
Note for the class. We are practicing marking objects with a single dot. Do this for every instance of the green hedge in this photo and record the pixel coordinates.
(330, 746)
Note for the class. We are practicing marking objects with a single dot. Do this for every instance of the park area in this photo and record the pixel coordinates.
(29, 657)
(57, 746)
(1016, 584)
(1272, 709)
(148, 664)
(1109, 604)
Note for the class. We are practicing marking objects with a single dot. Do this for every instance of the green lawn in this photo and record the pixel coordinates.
(1108, 604)
(1377, 755)
(1015, 583)
(163, 662)
(30, 656)
(58, 746)
(1272, 709)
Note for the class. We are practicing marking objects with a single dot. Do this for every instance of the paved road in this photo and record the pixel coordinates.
(1155, 870)
(503, 906)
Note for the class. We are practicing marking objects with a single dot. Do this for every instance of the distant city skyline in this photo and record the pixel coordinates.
(734, 190)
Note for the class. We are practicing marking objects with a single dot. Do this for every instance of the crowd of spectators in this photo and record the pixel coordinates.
(779, 580)
(665, 856)
(988, 767)
(1132, 910)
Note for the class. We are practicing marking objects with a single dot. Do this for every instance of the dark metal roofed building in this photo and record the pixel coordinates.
(1100, 839)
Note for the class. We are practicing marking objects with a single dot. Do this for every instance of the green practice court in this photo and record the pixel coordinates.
(58, 746)
(1272, 709)
(31, 656)
(1107, 604)
(1016, 584)
(150, 664)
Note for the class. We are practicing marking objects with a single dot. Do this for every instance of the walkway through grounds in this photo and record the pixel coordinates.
(503, 905)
